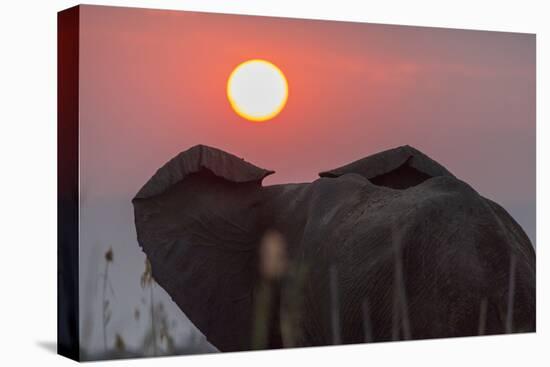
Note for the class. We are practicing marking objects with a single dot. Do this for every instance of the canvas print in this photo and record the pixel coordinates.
(234, 183)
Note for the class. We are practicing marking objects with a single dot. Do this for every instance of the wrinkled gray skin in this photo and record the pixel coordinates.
(418, 247)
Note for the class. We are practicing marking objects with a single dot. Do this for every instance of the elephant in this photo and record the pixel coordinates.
(389, 247)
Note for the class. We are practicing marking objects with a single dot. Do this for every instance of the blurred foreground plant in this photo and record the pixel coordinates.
(106, 308)
(278, 296)
(148, 281)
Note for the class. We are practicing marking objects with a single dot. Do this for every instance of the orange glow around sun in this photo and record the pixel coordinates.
(257, 90)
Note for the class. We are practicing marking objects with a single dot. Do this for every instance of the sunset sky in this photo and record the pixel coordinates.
(153, 83)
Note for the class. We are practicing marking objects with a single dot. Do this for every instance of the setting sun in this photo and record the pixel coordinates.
(257, 90)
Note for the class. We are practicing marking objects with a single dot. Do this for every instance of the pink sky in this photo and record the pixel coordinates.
(153, 84)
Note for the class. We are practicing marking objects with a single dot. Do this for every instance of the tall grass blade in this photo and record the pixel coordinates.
(335, 307)
(482, 317)
(511, 293)
(400, 309)
(367, 326)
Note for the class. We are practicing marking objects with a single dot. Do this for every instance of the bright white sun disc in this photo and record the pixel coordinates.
(257, 90)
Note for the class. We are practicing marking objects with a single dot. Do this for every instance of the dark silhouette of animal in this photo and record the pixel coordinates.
(392, 246)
